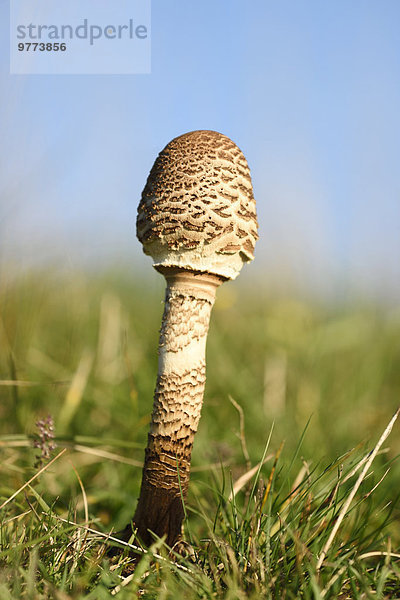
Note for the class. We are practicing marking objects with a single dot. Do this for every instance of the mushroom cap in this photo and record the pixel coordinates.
(197, 210)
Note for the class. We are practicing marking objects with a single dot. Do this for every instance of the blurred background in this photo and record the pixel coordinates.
(308, 90)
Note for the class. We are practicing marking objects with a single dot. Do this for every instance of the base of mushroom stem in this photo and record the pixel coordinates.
(158, 515)
(160, 511)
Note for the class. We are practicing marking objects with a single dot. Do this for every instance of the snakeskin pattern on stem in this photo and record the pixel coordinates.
(178, 400)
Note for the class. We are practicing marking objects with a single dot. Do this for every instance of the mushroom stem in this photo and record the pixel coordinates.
(178, 400)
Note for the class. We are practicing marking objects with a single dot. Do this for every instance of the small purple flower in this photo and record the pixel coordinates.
(44, 440)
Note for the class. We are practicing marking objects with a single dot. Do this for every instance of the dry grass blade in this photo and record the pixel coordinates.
(20, 516)
(98, 452)
(353, 492)
(108, 537)
(15, 444)
(271, 476)
(125, 582)
(84, 496)
(378, 554)
(359, 465)
(76, 390)
(246, 477)
(19, 383)
(377, 485)
(107, 455)
(242, 431)
(15, 494)
(275, 385)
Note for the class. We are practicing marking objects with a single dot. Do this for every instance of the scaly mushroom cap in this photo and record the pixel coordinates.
(197, 209)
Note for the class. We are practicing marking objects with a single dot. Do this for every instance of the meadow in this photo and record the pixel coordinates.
(298, 394)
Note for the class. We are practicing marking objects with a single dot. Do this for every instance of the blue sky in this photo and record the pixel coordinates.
(309, 90)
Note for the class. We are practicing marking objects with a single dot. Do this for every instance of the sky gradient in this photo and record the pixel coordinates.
(309, 90)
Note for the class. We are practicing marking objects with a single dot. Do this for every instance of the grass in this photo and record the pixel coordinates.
(297, 397)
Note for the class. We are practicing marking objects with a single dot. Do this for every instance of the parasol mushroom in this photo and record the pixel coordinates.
(197, 220)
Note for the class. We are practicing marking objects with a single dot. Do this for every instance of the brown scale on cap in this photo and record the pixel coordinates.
(197, 209)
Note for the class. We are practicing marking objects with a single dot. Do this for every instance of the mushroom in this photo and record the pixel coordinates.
(197, 220)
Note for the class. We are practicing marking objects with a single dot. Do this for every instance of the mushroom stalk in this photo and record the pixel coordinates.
(178, 400)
